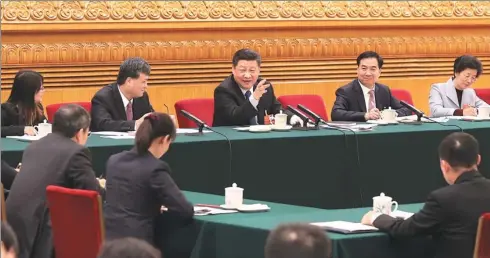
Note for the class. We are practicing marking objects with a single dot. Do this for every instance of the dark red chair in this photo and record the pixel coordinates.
(51, 109)
(201, 108)
(314, 103)
(402, 95)
(482, 244)
(77, 222)
(483, 94)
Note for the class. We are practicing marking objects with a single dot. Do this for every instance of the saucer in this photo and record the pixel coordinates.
(475, 118)
(227, 207)
(259, 128)
(281, 128)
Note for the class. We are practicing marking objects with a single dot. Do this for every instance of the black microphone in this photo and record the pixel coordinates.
(420, 114)
(166, 108)
(303, 117)
(318, 119)
(200, 124)
(417, 112)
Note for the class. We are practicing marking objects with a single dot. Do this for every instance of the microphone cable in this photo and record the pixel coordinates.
(230, 153)
(430, 119)
(361, 195)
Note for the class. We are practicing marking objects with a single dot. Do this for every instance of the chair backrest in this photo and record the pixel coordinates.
(314, 103)
(4, 212)
(482, 244)
(77, 222)
(51, 109)
(402, 95)
(483, 94)
(201, 108)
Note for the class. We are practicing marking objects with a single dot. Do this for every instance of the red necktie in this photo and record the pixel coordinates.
(129, 111)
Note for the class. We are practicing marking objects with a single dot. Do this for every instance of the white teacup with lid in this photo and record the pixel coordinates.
(280, 120)
(233, 196)
(383, 204)
(43, 129)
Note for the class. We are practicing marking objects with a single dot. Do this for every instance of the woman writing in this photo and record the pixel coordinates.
(23, 109)
(138, 183)
(456, 97)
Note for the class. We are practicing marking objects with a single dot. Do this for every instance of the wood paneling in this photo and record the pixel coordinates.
(306, 46)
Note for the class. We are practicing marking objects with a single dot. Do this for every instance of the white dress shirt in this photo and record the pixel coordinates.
(365, 91)
(125, 100)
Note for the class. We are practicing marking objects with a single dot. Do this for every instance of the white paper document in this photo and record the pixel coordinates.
(109, 133)
(26, 138)
(119, 137)
(401, 214)
(190, 130)
(202, 211)
(345, 227)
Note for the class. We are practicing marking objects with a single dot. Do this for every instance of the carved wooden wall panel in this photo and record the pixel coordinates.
(307, 46)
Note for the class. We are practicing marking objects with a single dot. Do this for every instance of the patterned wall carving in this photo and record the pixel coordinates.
(130, 11)
(307, 48)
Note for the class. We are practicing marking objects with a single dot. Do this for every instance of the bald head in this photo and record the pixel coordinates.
(297, 241)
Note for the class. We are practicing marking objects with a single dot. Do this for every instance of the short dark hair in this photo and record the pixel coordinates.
(246, 54)
(153, 126)
(128, 248)
(467, 62)
(460, 150)
(9, 238)
(370, 54)
(132, 68)
(297, 240)
(69, 119)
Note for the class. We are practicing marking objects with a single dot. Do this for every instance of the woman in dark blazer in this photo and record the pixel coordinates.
(138, 184)
(23, 109)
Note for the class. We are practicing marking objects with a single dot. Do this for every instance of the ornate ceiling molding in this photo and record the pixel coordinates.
(147, 11)
(213, 50)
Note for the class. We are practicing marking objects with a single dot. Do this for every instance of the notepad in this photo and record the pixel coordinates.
(190, 130)
(345, 227)
(119, 137)
(26, 138)
(401, 214)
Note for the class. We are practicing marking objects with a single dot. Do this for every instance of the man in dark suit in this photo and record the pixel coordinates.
(244, 98)
(451, 213)
(122, 106)
(363, 98)
(56, 159)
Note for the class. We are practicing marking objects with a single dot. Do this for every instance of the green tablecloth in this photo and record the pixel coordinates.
(321, 168)
(243, 235)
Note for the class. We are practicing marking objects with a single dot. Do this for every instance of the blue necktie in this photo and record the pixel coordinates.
(253, 121)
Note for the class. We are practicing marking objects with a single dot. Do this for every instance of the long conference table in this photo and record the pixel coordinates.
(320, 168)
(243, 235)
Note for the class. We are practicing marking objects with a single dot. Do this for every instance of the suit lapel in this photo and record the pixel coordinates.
(380, 97)
(360, 96)
(467, 98)
(451, 92)
(237, 90)
(121, 110)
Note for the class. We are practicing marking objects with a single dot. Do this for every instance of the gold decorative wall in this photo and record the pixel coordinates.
(307, 46)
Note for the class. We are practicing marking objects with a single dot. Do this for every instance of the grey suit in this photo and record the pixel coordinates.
(443, 100)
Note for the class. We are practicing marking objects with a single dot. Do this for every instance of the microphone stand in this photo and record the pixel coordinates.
(198, 133)
(305, 125)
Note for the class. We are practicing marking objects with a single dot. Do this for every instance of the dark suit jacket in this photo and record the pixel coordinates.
(450, 215)
(8, 175)
(52, 160)
(13, 123)
(136, 188)
(351, 106)
(109, 113)
(232, 109)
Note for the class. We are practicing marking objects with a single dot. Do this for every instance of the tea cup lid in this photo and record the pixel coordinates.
(234, 187)
(381, 195)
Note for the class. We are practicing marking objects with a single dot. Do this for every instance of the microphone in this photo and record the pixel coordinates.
(417, 112)
(303, 117)
(317, 118)
(166, 108)
(200, 124)
(420, 114)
